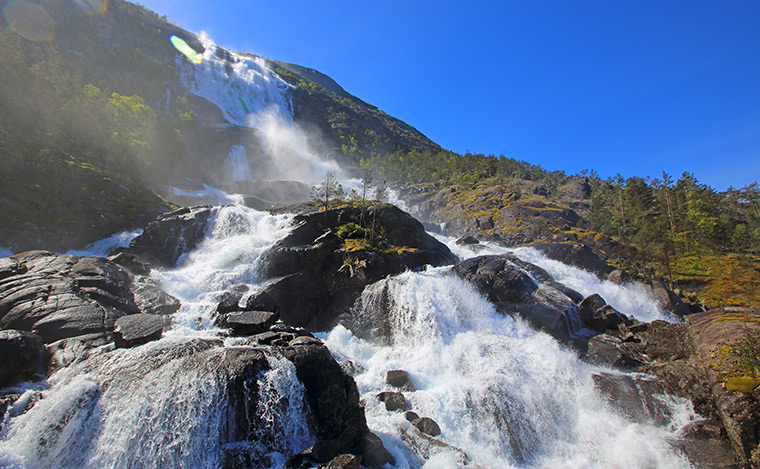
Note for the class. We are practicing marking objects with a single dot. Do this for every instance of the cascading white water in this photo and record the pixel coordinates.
(240, 85)
(631, 299)
(503, 394)
(162, 404)
(237, 159)
(106, 245)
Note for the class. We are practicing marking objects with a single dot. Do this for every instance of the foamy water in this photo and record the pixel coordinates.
(503, 394)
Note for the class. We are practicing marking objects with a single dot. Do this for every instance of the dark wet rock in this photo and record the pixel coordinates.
(704, 442)
(312, 260)
(545, 318)
(618, 277)
(6, 401)
(344, 461)
(351, 368)
(171, 235)
(467, 240)
(332, 397)
(393, 401)
(23, 357)
(634, 397)
(250, 322)
(668, 300)
(523, 289)
(266, 338)
(151, 299)
(72, 350)
(304, 340)
(577, 255)
(63, 296)
(597, 315)
(137, 329)
(427, 426)
(229, 301)
(609, 350)
(399, 379)
(375, 456)
(411, 416)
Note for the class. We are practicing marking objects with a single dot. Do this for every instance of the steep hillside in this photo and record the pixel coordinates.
(105, 102)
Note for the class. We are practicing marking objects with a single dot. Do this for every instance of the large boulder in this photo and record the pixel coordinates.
(317, 275)
(575, 254)
(62, 297)
(171, 235)
(519, 288)
(667, 299)
(24, 357)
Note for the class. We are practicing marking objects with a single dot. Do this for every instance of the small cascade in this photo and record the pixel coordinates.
(237, 160)
(503, 394)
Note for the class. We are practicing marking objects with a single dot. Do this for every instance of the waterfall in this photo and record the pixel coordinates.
(503, 394)
(240, 85)
(166, 403)
(237, 159)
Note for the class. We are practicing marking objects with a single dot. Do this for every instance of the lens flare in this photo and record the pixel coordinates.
(185, 48)
(29, 20)
(93, 7)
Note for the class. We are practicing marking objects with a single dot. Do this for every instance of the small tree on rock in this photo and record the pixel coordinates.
(327, 191)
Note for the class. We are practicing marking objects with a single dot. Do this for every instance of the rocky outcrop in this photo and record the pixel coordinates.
(63, 297)
(170, 235)
(329, 272)
(724, 343)
(575, 254)
(700, 360)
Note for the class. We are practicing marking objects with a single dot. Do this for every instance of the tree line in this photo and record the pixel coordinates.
(663, 217)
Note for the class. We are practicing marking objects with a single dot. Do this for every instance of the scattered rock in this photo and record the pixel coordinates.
(393, 401)
(598, 316)
(137, 329)
(608, 350)
(668, 300)
(467, 240)
(375, 456)
(399, 379)
(411, 416)
(575, 254)
(344, 461)
(427, 425)
(704, 443)
(250, 322)
(618, 277)
(305, 340)
(24, 357)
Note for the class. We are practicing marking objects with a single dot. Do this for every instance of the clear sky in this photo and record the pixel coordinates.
(620, 86)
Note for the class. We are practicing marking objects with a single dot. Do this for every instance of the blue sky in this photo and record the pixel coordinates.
(630, 87)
